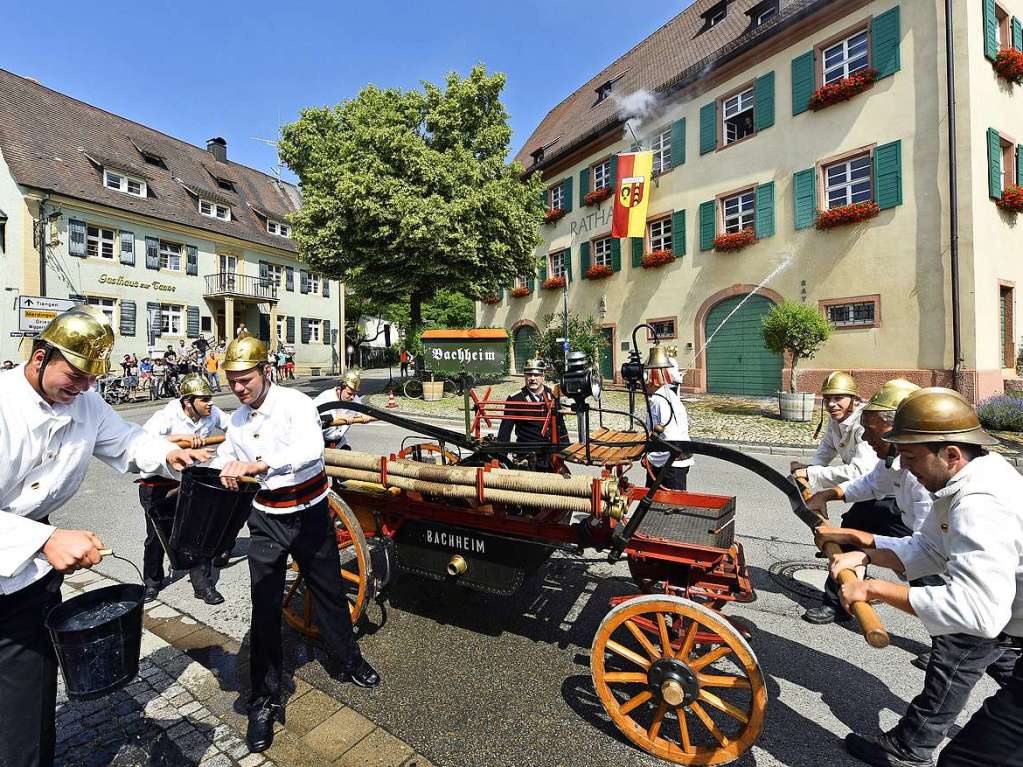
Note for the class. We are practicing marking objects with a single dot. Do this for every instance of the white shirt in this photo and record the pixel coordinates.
(171, 419)
(45, 452)
(336, 433)
(842, 440)
(667, 410)
(884, 481)
(284, 432)
(974, 535)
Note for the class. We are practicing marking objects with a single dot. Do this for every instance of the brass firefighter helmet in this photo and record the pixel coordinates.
(535, 365)
(937, 415)
(84, 337)
(352, 379)
(196, 385)
(840, 383)
(891, 394)
(244, 353)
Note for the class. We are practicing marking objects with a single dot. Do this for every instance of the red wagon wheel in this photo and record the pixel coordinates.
(678, 681)
(356, 572)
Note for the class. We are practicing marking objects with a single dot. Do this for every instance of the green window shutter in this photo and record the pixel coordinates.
(1019, 166)
(614, 172)
(1017, 34)
(678, 142)
(568, 264)
(544, 198)
(584, 185)
(637, 251)
(530, 284)
(678, 233)
(763, 97)
(765, 210)
(709, 127)
(707, 225)
(990, 30)
(888, 175)
(804, 197)
(616, 254)
(543, 270)
(584, 258)
(802, 82)
(994, 164)
(568, 194)
(884, 43)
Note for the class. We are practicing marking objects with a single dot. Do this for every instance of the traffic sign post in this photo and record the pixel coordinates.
(35, 312)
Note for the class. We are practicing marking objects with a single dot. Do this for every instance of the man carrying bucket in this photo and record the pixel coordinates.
(347, 391)
(190, 418)
(276, 436)
(54, 422)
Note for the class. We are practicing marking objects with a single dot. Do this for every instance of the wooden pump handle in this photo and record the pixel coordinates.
(209, 441)
(873, 630)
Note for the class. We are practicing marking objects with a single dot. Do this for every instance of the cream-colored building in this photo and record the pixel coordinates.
(725, 94)
(172, 241)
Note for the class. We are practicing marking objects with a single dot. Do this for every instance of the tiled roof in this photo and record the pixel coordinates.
(54, 142)
(682, 48)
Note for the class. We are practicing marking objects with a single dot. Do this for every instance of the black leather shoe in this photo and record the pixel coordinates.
(821, 615)
(222, 561)
(363, 674)
(151, 593)
(210, 596)
(260, 734)
(883, 751)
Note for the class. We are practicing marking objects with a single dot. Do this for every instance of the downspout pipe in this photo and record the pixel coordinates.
(42, 244)
(953, 198)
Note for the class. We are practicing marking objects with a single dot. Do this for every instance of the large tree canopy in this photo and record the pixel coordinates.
(408, 192)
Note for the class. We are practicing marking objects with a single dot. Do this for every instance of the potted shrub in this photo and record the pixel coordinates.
(553, 214)
(846, 214)
(597, 195)
(656, 258)
(599, 272)
(799, 330)
(1011, 200)
(1009, 65)
(729, 243)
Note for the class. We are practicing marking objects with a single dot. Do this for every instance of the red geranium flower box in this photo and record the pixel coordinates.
(842, 89)
(1009, 65)
(520, 292)
(553, 214)
(1012, 199)
(656, 258)
(846, 214)
(599, 272)
(554, 283)
(728, 243)
(598, 195)
(492, 299)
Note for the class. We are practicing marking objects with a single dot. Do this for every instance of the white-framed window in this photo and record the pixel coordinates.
(105, 305)
(737, 116)
(282, 328)
(848, 182)
(557, 261)
(600, 174)
(275, 273)
(660, 234)
(315, 331)
(664, 327)
(171, 319)
(852, 314)
(737, 212)
(122, 182)
(170, 255)
(846, 57)
(99, 242)
(602, 252)
(718, 16)
(660, 144)
(314, 284)
(214, 210)
(557, 196)
(765, 16)
(1007, 176)
(275, 227)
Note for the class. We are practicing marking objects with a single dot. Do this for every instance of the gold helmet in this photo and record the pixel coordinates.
(195, 384)
(937, 415)
(84, 337)
(838, 384)
(244, 353)
(352, 379)
(891, 395)
(535, 365)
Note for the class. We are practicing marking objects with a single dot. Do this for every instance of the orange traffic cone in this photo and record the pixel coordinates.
(391, 401)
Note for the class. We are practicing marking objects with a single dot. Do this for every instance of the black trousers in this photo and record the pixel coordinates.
(28, 675)
(308, 536)
(958, 661)
(154, 501)
(674, 480)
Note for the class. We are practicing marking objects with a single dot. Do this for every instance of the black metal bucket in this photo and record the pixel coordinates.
(208, 516)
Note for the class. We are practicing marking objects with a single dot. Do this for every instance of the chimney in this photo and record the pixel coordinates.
(218, 148)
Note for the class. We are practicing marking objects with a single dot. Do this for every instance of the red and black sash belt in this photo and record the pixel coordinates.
(286, 497)
(157, 482)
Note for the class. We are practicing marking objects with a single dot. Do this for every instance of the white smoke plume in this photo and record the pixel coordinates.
(636, 108)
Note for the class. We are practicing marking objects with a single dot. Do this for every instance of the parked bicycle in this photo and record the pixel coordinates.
(452, 387)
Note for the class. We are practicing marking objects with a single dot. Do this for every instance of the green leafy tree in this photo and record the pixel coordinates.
(795, 328)
(584, 334)
(408, 192)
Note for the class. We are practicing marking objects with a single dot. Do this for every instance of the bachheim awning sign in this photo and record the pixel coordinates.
(477, 351)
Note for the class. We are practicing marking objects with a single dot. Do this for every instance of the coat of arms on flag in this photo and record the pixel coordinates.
(632, 194)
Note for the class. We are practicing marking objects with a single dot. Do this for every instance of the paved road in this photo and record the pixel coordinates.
(472, 679)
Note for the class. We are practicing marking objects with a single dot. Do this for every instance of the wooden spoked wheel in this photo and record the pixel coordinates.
(423, 452)
(356, 572)
(678, 680)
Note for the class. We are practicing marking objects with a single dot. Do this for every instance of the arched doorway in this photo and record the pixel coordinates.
(736, 359)
(523, 340)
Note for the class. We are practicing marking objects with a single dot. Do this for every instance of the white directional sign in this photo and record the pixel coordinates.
(35, 312)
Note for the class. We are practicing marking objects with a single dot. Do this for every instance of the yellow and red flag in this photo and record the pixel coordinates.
(632, 192)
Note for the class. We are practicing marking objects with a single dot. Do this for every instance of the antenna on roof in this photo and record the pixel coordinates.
(278, 167)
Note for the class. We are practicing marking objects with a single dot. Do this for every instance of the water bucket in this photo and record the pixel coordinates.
(97, 637)
(433, 390)
(208, 516)
(796, 407)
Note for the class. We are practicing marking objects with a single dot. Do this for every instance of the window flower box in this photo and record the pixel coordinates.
(842, 89)
(520, 292)
(729, 243)
(599, 272)
(554, 283)
(1009, 65)
(598, 195)
(656, 258)
(846, 214)
(1011, 200)
(493, 298)
(553, 214)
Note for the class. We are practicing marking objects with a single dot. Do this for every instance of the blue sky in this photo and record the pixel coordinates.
(240, 69)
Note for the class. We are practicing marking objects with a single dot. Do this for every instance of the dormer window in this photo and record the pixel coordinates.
(214, 210)
(603, 91)
(224, 183)
(275, 227)
(113, 179)
(762, 12)
(717, 15)
(538, 156)
(154, 159)
(766, 15)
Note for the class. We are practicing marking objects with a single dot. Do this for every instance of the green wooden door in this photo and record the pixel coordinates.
(737, 360)
(523, 346)
(607, 355)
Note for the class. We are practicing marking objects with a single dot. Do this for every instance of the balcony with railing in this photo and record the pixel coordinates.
(244, 286)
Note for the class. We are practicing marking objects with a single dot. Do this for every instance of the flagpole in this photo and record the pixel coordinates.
(564, 311)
